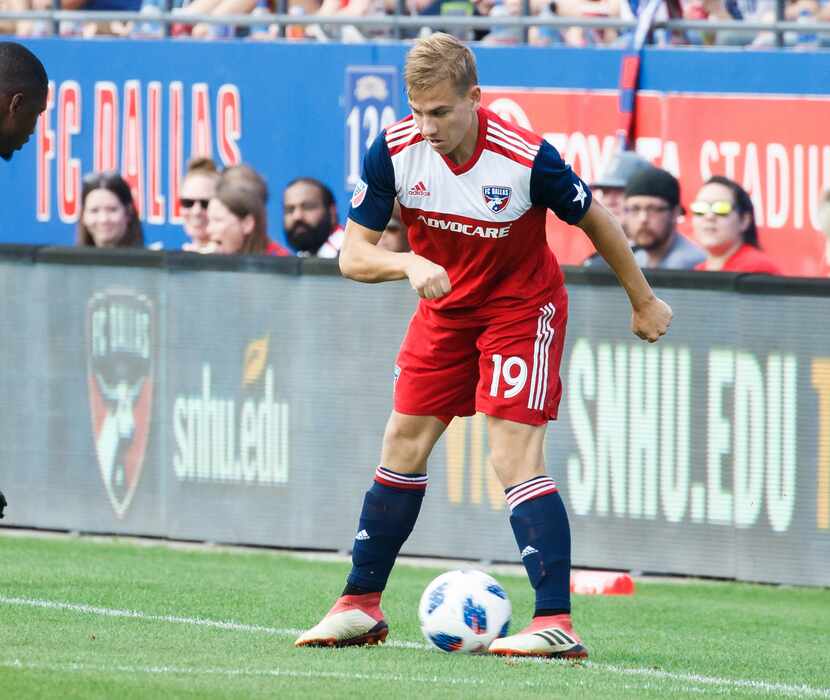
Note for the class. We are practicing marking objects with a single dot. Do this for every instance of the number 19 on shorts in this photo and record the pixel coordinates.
(509, 374)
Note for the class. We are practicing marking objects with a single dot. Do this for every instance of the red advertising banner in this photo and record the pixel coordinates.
(776, 146)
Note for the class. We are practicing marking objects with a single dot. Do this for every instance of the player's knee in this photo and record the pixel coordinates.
(513, 466)
(405, 446)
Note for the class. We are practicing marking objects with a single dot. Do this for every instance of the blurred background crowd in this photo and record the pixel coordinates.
(805, 12)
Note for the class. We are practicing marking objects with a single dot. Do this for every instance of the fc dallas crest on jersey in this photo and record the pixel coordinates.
(496, 198)
(120, 342)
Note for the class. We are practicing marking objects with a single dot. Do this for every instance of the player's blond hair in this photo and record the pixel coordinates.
(440, 58)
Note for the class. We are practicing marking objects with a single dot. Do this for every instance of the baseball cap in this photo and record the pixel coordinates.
(619, 171)
(654, 182)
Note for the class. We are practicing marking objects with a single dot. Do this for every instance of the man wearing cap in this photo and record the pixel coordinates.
(650, 211)
(609, 188)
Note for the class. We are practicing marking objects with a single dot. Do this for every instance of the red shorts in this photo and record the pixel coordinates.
(506, 369)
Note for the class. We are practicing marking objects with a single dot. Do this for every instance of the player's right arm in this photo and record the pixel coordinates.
(361, 258)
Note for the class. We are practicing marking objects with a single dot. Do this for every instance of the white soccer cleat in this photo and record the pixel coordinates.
(551, 637)
(353, 621)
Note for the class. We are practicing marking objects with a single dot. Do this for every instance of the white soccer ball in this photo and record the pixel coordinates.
(464, 611)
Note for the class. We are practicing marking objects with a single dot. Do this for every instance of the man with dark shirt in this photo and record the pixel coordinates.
(23, 91)
(651, 211)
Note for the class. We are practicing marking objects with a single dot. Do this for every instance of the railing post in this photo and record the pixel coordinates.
(56, 5)
(282, 9)
(167, 6)
(779, 17)
(400, 11)
(526, 13)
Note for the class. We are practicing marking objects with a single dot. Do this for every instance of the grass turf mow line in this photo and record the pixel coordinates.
(691, 678)
(796, 691)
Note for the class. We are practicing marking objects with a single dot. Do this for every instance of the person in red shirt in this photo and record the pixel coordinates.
(723, 219)
(237, 218)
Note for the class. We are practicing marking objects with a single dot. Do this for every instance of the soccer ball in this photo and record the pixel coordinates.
(464, 611)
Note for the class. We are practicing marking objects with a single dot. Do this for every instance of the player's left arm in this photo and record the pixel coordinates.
(553, 184)
(651, 316)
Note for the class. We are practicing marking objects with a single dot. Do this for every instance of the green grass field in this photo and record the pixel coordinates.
(91, 619)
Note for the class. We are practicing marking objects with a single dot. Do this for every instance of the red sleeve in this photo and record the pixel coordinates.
(276, 249)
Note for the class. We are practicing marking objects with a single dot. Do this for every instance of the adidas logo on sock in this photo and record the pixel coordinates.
(363, 535)
(527, 551)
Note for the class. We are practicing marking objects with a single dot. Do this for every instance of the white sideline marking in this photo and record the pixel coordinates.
(694, 678)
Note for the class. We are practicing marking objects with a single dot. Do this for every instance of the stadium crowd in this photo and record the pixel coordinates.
(764, 11)
(226, 212)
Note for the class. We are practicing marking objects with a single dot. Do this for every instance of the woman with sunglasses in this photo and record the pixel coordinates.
(108, 217)
(197, 188)
(723, 219)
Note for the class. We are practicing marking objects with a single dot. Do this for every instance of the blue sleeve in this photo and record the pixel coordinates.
(374, 194)
(554, 185)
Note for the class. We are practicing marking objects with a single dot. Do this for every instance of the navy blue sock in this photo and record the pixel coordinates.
(540, 525)
(390, 509)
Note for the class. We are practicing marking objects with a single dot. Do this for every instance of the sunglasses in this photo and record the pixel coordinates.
(720, 208)
(187, 203)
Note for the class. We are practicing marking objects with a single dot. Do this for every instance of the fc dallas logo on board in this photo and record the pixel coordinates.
(120, 341)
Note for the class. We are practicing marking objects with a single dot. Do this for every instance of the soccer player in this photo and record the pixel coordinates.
(488, 333)
(23, 92)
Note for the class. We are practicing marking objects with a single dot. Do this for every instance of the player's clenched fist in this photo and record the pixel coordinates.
(428, 279)
(651, 320)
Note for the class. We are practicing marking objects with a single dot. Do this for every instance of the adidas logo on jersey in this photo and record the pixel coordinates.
(419, 190)
(527, 551)
(362, 535)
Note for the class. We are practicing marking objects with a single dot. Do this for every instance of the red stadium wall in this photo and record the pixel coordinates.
(774, 145)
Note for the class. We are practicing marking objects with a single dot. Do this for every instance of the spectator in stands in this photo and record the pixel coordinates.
(310, 219)
(723, 219)
(349, 8)
(217, 8)
(244, 173)
(108, 216)
(650, 214)
(609, 188)
(73, 28)
(237, 219)
(578, 36)
(198, 186)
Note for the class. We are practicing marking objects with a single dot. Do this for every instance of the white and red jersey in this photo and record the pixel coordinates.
(483, 220)
(331, 248)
